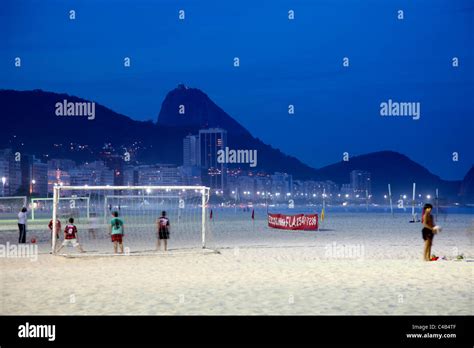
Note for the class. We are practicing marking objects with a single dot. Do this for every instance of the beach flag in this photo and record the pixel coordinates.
(322, 215)
(210, 215)
(253, 214)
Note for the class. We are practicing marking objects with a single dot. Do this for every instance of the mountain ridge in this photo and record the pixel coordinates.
(38, 135)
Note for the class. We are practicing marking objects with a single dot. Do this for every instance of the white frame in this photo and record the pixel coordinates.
(204, 191)
(33, 200)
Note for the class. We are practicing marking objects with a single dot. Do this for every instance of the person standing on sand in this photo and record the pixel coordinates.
(427, 231)
(70, 237)
(163, 225)
(58, 228)
(117, 231)
(22, 217)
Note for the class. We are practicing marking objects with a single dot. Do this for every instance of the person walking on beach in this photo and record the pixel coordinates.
(117, 231)
(163, 225)
(22, 218)
(427, 231)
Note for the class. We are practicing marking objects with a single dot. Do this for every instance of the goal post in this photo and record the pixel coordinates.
(139, 207)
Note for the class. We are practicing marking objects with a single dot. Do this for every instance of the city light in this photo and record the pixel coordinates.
(428, 196)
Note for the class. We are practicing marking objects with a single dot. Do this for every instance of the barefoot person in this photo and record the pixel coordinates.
(70, 236)
(428, 231)
(116, 231)
(22, 217)
(163, 225)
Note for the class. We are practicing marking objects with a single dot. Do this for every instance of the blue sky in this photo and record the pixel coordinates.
(283, 62)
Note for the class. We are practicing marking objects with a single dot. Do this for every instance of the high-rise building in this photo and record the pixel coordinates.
(191, 151)
(130, 176)
(10, 172)
(214, 174)
(61, 164)
(93, 173)
(39, 178)
(282, 185)
(361, 182)
(190, 175)
(59, 172)
(158, 174)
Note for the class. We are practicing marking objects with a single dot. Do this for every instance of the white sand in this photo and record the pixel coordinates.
(385, 277)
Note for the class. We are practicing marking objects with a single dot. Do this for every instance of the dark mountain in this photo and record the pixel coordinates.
(467, 187)
(30, 125)
(388, 167)
(197, 111)
(201, 112)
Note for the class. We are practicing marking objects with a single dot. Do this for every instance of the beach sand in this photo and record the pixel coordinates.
(361, 268)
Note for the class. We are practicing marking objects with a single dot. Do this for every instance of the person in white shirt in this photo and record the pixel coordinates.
(22, 217)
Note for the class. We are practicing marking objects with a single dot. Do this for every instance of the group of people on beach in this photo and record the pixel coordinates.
(116, 231)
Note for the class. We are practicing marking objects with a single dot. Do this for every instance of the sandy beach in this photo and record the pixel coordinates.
(237, 281)
(362, 267)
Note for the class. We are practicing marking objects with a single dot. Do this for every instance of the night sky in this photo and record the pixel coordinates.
(283, 62)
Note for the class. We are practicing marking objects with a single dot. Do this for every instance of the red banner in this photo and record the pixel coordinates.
(293, 222)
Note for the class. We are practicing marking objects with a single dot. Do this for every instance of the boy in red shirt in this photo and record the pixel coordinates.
(58, 228)
(70, 236)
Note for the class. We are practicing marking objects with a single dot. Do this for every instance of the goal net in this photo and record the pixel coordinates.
(75, 207)
(11, 206)
(139, 207)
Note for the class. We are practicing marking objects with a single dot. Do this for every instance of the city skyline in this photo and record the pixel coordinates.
(283, 62)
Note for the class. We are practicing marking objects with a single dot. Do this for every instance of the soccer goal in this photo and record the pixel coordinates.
(73, 206)
(11, 206)
(139, 207)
